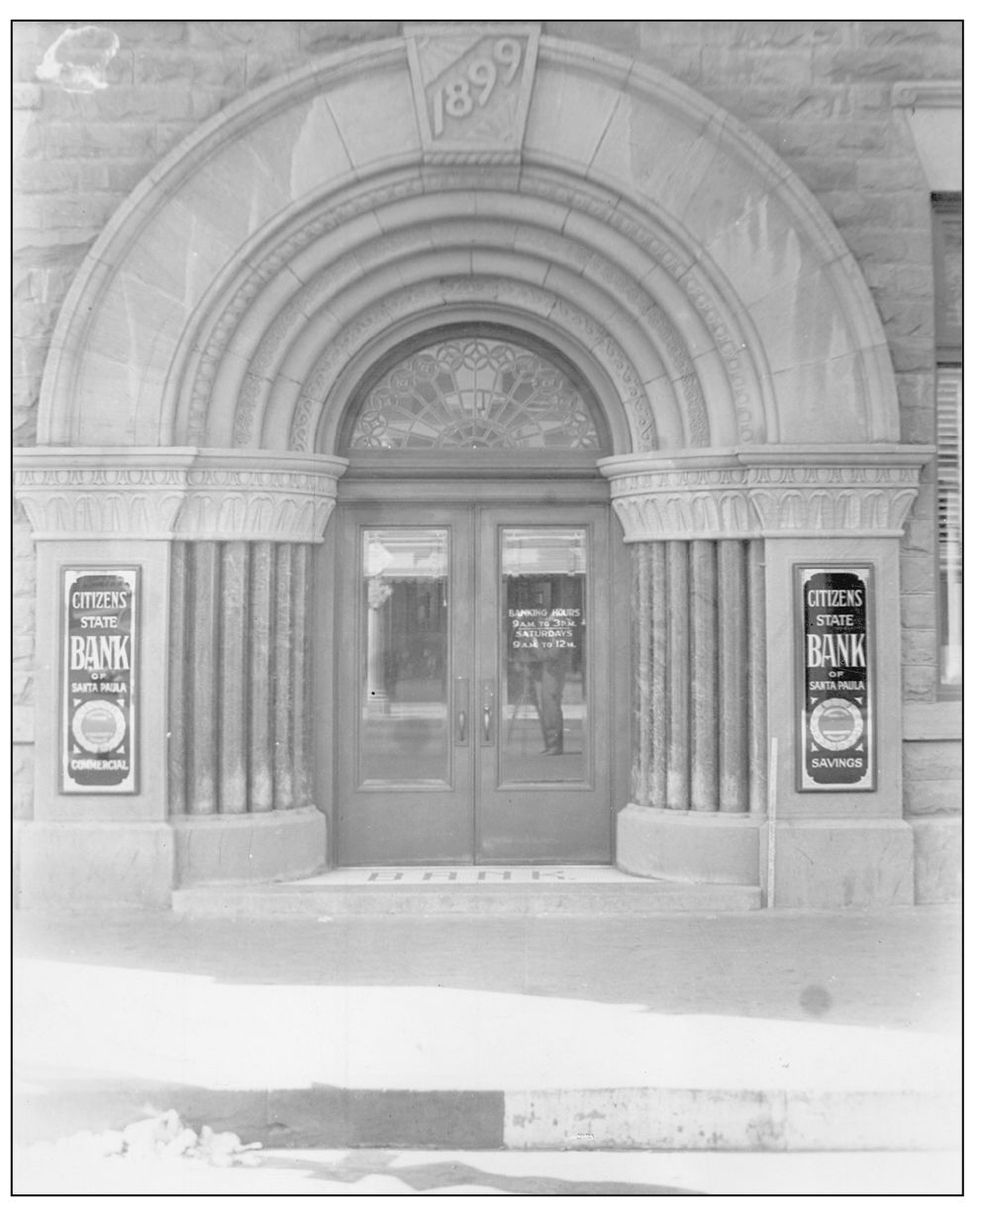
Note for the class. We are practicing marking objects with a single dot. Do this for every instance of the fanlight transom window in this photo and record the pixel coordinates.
(474, 393)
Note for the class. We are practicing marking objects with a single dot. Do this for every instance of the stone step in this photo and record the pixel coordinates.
(591, 890)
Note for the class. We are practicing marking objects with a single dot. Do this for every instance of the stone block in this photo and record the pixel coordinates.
(675, 845)
(680, 59)
(116, 140)
(908, 33)
(883, 174)
(919, 682)
(621, 37)
(226, 70)
(824, 173)
(75, 865)
(897, 62)
(262, 66)
(26, 97)
(916, 425)
(323, 37)
(932, 760)
(919, 537)
(918, 647)
(786, 105)
(219, 849)
(938, 859)
(918, 573)
(933, 796)
(87, 211)
(835, 864)
(226, 36)
(919, 611)
(153, 33)
(21, 774)
(939, 722)
(168, 135)
(21, 688)
(760, 67)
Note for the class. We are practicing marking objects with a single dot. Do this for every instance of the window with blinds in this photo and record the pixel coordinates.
(949, 420)
(948, 247)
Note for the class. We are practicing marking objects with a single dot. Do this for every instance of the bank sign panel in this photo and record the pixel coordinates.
(98, 680)
(836, 717)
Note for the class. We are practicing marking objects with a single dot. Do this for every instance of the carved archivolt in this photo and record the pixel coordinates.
(601, 283)
(431, 117)
(177, 493)
(753, 493)
(431, 296)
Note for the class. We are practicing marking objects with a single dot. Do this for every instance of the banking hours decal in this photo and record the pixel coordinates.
(836, 733)
(98, 692)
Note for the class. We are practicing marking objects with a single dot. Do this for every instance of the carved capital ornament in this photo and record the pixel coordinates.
(188, 493)
(761, 492)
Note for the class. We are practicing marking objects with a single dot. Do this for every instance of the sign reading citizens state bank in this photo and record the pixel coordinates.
(836, 728)
(98, 694)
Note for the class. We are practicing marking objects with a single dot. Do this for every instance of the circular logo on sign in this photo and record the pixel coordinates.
(836, 724)
(98, 726)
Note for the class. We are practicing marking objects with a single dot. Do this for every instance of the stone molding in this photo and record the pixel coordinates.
(187, 493)
(440, 297)
(761, 492)
(928, 94)
(332, 301)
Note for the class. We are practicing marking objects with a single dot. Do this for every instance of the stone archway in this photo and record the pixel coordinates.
(214, 333)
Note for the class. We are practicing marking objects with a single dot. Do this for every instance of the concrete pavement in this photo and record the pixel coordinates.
(342, 1173)
(782, 1031)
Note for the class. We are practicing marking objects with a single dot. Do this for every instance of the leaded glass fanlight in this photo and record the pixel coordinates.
(474, 393)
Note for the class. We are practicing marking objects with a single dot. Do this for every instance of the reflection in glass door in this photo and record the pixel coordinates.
(404, 703)
(544, 650)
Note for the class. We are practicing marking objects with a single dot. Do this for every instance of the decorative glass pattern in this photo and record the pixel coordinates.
(474, 393)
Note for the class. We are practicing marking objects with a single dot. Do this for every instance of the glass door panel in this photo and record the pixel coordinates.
(543, 731)
(544, 788)
(404, 710)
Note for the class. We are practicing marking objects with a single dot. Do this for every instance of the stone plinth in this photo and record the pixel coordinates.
(72, 864)
(229, 848)
(673, 845)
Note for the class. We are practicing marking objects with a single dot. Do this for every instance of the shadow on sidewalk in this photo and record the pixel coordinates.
(426, 1177)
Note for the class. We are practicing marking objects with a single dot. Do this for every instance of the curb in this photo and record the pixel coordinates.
(673, 1119)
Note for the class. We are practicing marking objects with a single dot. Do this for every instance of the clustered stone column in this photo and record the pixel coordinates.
(699, 662)
(239, 677)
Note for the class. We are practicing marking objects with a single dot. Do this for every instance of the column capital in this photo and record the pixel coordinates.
(767, 491)
(166, 493)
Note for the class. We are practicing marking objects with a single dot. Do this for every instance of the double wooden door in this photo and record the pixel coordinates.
(473, 712)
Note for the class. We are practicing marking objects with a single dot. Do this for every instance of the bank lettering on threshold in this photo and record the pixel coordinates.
(99, 670)
(835, 726)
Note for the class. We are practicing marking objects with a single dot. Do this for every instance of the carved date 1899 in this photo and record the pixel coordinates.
(474, 84)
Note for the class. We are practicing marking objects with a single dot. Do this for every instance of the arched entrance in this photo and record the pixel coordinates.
(479, 691)
(198, 385)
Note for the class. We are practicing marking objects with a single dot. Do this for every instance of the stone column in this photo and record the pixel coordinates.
(694, 680)
(206, 530)
(715, 638)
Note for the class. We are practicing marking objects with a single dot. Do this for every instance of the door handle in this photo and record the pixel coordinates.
(488, 711)
(461, 711)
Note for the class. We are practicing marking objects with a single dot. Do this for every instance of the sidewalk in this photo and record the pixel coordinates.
(779, 1031)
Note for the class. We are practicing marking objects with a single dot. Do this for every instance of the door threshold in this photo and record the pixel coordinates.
(470, 874)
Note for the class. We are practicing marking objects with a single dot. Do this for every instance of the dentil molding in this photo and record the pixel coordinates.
(753, 492)
(184, 493)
